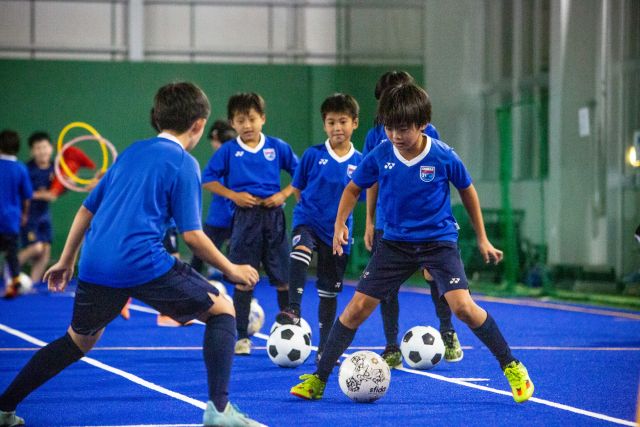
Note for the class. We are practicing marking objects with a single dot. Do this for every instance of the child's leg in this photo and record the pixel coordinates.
(242, 303)
(276, 253)
(299, 261)
(390, 311)
(40, 263)
(330, 276)
(443, 311)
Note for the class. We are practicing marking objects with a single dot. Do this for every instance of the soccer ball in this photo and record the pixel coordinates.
(25, 284)
(422, 347)
(221, 288)
(256, 317)
(288, 346)
(364, 376)
(303, 324)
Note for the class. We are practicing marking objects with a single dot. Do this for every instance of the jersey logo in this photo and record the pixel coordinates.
(427, 173)
(269, 153)
(350, 170)
(323, 162)
(239, 153)
(389, 165)
(296, 239)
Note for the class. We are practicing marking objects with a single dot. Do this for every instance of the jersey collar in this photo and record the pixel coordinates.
(335, 156)
(167, 135)
(416, 159)
(255, 149)
(8, 157)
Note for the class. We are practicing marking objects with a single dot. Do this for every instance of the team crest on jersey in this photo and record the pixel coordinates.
(269, 153)
(350, 170)
(427, 173)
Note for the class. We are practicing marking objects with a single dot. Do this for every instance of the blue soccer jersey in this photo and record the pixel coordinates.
(254, 170)
(321, 178)
(40, 180)
(15, 187)
(414, 195)
(151, 182)
(376, 136)
(221, 209)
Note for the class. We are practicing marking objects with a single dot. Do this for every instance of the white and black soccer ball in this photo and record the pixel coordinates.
(256, 318)
(26, 285)
(303, 324)
(288, 346)
(364, 376)
(422, 347)
(222, 289)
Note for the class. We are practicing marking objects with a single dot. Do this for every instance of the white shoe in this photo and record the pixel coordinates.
(230, 417)
(243, 347)
(10, 419)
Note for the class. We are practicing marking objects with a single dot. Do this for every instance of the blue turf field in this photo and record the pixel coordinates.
(585, 363)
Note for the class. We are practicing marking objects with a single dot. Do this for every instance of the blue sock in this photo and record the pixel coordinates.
(219, 342)
(242, 304)
(298, 266)
(326, 315)
(390, 311)
(339, 340)
(491, 336)
(443, 311)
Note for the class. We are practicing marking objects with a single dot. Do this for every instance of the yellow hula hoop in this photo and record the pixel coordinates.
(94, 132)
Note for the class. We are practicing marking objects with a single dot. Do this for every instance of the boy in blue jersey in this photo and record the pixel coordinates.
(217, 226)
(37, 233)
(15, 196)
(322, 175)
(390, 307)
(122, 223)
(247, 172)
(413, 174)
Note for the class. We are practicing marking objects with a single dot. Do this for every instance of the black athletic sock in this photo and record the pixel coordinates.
(242, 304)
(283, 299)
(326, 316)
(390, 310)
(339, 340)
(298, 266)
(490, 335)
(44, 365)
(443, 311)
(219, 343)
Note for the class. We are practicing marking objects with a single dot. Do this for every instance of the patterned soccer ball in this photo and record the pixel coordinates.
(256, 317)
(422, 347)
(303, 324)
(364, 376)
(288, 346)
(25, 284)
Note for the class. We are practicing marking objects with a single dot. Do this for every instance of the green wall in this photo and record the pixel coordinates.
(115, 98)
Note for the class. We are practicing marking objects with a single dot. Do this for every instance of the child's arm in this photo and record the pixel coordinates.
(278, 199)
(243, 199)
(348, 201)
(297, 194)
(44, 195)
(203, 248)
(370, 225)
(471, 203)
(61, 272)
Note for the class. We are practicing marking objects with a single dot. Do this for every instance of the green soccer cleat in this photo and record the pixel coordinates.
(230, 417)
(392, 356)
(311, 387)
(521, 384)
(10, 419)
(243, 347)
(452, 350)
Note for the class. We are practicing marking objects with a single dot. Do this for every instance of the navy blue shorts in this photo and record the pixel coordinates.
(36, 232)
(394, 262)
(259, 235)
(218, 235)
(181, 293)
(330, 268)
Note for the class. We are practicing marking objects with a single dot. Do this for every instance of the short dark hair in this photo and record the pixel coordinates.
(37, 137)
(404, 105)
(177, 106)
(340, 103)
(390, 79)
(9, 142)
(244, 102)
(222, 130)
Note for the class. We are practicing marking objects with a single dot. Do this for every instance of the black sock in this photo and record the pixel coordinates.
(326, 316)
(219, 342)
(491, 336)
(298, 266)
(44, 365)
(283, 299)
(339, 340)
(390, 310)
(242, 304)
(443, 311)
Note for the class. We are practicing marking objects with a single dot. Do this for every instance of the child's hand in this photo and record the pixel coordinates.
(340, 237)
(244, 274)
(275, 200)
(58, 276)
(245, 200)
(489, 253)
(369, 231)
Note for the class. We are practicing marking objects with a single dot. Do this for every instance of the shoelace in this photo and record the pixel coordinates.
(513, 374)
